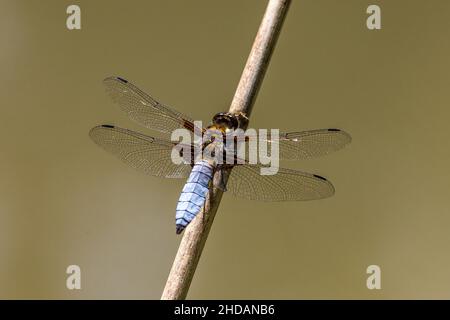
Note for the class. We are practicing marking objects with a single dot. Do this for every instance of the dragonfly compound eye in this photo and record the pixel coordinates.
(226, 120)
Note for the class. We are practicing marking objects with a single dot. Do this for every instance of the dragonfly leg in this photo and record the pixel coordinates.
(220, 179)
(243, 119)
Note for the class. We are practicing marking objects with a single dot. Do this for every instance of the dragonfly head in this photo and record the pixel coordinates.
(225, 120)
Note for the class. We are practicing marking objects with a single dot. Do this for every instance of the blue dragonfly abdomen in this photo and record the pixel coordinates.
(193, 195)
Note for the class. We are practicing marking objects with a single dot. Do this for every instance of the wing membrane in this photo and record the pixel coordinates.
(143, 109)
(144, 153)
(245, 181)
(313, 143)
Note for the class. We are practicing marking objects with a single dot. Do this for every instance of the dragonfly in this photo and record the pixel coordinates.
(152, 155)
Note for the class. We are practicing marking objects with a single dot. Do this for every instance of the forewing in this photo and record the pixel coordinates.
(308, 144)
(144, 153)
(246, 181)
(145, 110)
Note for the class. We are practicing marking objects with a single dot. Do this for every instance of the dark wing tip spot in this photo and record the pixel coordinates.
(334, 129)
(107, 126)
(122, 79)
(320, 177)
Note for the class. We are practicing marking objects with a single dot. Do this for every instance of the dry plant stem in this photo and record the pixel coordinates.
(196, 233)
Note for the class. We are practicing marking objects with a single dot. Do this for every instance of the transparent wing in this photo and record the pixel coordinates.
(143, 109)
(144, 153)
(307, 144)
(245, 181)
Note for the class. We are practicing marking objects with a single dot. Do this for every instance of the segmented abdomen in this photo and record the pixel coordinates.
(193, 195)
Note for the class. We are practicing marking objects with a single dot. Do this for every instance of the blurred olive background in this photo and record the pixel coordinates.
(65, 201)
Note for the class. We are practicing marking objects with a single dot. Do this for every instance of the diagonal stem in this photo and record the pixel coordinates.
(196, 233)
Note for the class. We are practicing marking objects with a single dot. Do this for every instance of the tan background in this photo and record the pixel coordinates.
(65, 201)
